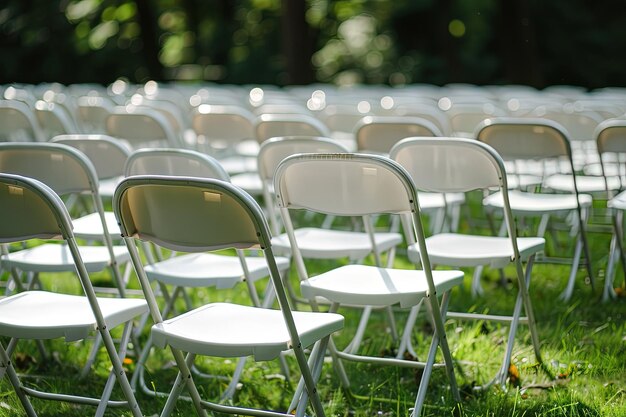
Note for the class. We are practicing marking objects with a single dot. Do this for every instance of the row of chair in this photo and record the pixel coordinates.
(192, 214)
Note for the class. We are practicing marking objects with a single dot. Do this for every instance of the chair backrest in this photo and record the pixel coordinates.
(611, 139)
(580, 126)
(450, 164)
(107, 154)
(196, 214)
(275, 125)
(29, 209)
(344, 184)
(525, 138)
(348, 185)
(54, 120)
(18, 123)
(62, 168)
(222, 124)
(92, 112)
(611, 136)
(193, 215)
(274, 150)
(379, 134)
(141, 127)
(174, 162)
(464, 117)
(456, 165)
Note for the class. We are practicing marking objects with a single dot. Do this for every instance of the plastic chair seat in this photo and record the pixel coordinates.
(458, 250)
(207, 269)
(47, 315)
(90, 227)
(231, 330)
(538, 203)
(585, 183)
(370, 285)
(331, 244)
(50, 257)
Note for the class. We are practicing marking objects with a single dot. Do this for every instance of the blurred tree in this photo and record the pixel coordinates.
(339, 41)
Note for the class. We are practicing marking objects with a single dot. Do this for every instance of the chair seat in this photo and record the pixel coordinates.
(430, 201)
(89, 227)
(231, 330)
(585, 183)
(458, 250)
(207, 270)
(50, 257)
(47, 315)
(370, 285)
(537, 203)
(331, 244)
(248, 181)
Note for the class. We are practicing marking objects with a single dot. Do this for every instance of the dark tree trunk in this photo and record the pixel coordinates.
(297, 43)
(518, 45)
(149, 37)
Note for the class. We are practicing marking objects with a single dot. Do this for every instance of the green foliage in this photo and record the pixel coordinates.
(366, 41)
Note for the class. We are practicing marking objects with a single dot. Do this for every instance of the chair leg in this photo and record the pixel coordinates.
(183, 378)
(316, 360)
(583, 215)
(5, 364)
(119, 371)
(405, 341)
(438, 338)
(108, 389)
(608, 291)
(523, 299)
(569, 288)
(354, 344)
(97, 342)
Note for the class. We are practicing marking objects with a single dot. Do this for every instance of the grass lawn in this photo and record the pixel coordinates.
(583, 346)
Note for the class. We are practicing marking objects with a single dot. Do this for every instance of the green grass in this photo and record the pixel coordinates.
(583, 346)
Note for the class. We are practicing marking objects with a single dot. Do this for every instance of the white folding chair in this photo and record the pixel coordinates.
(544, 141)
(611, 140)
(31, 210)
(202, 215)
(195, 270)
(364, 185)
(461, 165)
(323, 242)
(67, 171)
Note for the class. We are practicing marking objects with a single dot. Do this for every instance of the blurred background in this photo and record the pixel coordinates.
(530, 42)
